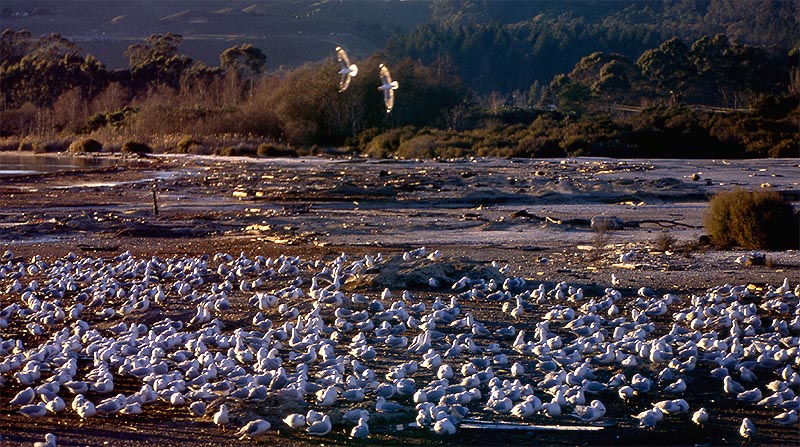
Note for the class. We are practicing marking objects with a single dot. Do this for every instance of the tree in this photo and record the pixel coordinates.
(39, 70)
(668, 67)
(156, 61)
(245, 59)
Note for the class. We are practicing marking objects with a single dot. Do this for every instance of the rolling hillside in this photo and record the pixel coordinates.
(290, 33)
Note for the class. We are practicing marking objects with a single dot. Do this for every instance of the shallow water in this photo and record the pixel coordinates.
(28, 163)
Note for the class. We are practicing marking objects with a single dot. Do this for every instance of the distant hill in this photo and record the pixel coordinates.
(290, 33)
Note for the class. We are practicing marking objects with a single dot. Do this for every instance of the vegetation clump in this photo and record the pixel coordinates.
(239, 150)
(135, 147)
(46, 147)
(86, 145)
(190, 145)
(752, 220)
(274, 150)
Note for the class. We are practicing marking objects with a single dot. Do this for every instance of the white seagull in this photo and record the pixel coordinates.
(387, 87)
(347, 71)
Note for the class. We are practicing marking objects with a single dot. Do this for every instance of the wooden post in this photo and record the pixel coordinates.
(155, 201)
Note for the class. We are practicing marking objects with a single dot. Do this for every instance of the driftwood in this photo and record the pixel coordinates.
(606, 221)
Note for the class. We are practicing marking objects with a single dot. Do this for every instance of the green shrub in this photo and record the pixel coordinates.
(752, 220)
(87, 145)
(135, 147)
(273, 150)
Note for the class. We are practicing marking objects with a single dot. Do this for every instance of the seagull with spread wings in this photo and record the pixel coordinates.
(388, 87)
(347, 71)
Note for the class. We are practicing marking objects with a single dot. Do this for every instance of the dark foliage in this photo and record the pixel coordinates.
(135, 147)
(753, 220)
(86, 145)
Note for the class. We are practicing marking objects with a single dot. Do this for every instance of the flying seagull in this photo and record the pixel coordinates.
(388, 87)
(347, 71)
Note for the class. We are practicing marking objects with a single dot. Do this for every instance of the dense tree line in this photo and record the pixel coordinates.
(493, 49)
(49, 88)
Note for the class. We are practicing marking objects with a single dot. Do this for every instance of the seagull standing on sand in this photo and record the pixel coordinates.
(221, 416)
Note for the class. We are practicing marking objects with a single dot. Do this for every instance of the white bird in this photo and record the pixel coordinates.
(33, 410)
(747, 429)
(676, 387)
(361, 430)
(295, 421)
(221, 416)
(590, 413)
(198, 408)
(750, 396)
(49, 441)
(648, 418)
(321, 427)
(731, 386)
(327, 396)
(700, 416)
(387, 87)
(253, 428)
(522, 409)
(348, 70)
(384, 406)
(786, 418)
(55, 405)
(24, 397)
(444, 427)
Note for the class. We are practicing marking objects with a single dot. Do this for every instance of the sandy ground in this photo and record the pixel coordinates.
(531, 215)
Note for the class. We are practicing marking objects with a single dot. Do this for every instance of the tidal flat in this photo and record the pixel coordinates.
(251, 262)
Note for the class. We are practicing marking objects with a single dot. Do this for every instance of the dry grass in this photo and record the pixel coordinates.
(664, 241)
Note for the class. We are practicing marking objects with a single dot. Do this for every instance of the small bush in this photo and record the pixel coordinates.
(46, 147)
(664, 241)
(752, 220)
(135, 147)
(87, 145)
(189, 145)
(273, 150)
(240, 150)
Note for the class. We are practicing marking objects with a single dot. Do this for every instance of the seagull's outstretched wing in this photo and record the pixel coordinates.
(347, 70)
(388, 86)
(341, 55)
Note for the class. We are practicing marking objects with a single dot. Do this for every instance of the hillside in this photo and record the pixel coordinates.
(290, 33)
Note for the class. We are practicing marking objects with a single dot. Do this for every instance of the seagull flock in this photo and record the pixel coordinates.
(73, 327)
